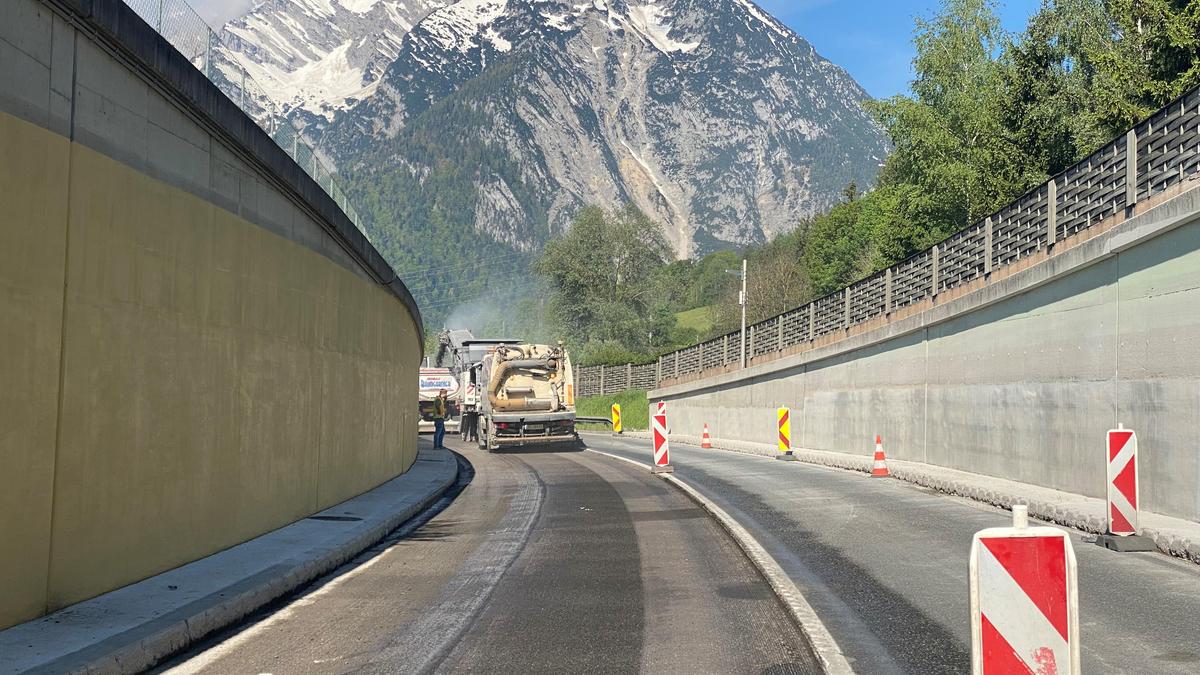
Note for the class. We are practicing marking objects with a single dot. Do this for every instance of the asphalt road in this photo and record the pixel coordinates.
(545, 562)
(884, 564)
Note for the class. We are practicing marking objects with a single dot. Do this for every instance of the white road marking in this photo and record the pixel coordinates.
(205, 659)
(833, 661)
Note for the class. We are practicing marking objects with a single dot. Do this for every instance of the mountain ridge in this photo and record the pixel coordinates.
(497, 120)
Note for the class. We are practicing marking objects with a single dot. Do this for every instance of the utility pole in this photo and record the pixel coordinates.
(742, 301)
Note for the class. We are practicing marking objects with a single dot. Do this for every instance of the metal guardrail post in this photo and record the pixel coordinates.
(988, 248)
(934, 276)
(1051, 213)
(887, 292)
(1131, 162)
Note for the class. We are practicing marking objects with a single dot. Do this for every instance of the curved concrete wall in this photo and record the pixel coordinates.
(191, 353)
(1020, 379)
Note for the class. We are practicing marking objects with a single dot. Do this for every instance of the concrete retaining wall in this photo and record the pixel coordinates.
(1018, 380)
(193, 351)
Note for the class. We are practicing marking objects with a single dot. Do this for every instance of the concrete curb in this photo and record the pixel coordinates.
(826, 649)
(1070, 511)
(70, 641)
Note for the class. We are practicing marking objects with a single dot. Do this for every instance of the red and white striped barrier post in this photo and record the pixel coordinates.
(661, 408)
(1024, 600)
(1122, 452)
(662, 450)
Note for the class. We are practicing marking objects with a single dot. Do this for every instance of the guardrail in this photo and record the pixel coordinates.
(1156, 155)
(192, 37)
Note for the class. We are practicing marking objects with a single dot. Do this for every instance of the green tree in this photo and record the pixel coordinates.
(1127, 57)
(954, 161)
(604, 272)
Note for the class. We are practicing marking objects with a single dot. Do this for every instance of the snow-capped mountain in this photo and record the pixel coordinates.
(319, 56)
(509, 115)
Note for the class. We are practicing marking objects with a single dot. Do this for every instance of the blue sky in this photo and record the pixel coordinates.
(872, 39)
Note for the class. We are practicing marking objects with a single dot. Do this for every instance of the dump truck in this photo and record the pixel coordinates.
(527, 396)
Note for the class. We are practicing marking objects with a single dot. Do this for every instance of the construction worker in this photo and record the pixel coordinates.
(440, 407)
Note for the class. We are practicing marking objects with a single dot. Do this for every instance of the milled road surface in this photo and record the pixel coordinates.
(884, 564)
(546, 562)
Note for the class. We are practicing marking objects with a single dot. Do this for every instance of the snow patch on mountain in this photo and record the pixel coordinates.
(651, 22)
(316, 57)
(358, 6)
(328, 83)
(459, 26)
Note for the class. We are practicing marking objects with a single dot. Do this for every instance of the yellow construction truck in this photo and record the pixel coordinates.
(527, 397)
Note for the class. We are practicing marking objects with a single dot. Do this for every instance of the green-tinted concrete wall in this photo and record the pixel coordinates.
(33, 238)
(1020, 380)
(188, 359)
(216, 381)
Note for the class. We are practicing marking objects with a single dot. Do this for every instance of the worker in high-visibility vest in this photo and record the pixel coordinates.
(440, 407)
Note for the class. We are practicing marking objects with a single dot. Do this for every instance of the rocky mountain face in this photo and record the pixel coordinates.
(502, 118)
(316, 57)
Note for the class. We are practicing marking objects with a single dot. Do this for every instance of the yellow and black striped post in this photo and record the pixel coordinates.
(785, 435)
(616, 418)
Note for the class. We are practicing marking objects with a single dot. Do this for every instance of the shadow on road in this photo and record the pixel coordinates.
(549, 449)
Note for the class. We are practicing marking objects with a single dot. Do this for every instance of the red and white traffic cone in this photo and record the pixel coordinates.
(880, 469)
(705, 440)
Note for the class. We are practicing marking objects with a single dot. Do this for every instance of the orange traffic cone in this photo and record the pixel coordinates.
(880, 469)
(705, 440)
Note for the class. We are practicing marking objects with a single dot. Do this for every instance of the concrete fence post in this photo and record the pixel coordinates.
(725, 350)
(658, 372)
(602, 391)
(812, 321)
(750, 348)
(628, 376)
(934, 276)
(208, 55)
(1131, 168)
(1051, 213)
(988, 247)
(846, 309)
(677, 364)
(887, 292)
(779, 328)
(700, 360)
